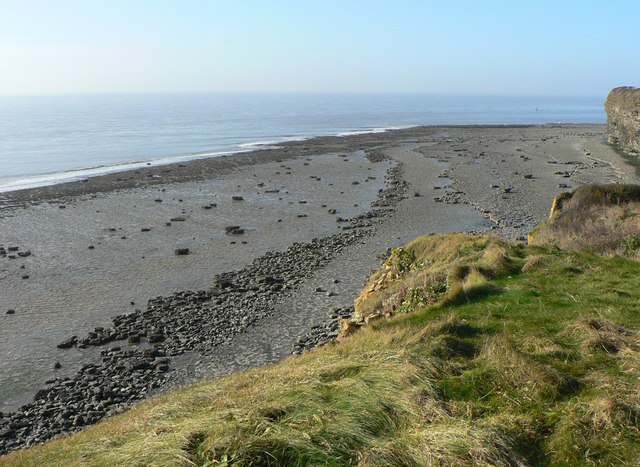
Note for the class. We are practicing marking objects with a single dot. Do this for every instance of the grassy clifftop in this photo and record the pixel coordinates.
(495, 353)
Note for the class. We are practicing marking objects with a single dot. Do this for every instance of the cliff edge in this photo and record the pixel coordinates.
(623, 118)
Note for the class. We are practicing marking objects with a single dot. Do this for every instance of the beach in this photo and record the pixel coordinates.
(277, 238)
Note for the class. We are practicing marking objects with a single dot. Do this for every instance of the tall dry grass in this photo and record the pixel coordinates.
(603, 219)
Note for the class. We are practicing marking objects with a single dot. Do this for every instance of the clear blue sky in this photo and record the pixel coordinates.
(453, 47)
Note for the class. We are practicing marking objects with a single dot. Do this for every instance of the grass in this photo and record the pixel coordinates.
(530, 355)
(604, 219)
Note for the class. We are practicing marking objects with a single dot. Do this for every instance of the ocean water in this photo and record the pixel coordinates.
(51, 139)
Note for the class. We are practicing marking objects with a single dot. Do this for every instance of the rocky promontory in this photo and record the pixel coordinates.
(623, 118)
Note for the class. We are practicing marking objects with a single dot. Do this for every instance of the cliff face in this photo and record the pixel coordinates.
(623, 118)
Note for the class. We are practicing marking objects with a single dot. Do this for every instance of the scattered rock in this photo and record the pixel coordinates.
(172, 325)
(67, 344)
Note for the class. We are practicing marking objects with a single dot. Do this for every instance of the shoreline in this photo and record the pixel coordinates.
(445, 191)
(200, 168)
(84, 174)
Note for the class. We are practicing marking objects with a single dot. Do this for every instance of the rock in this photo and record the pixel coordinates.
(181, 251)
(558, 203)
(57, 365)
(134, 339)
(230, 228)
(178, 219)
(623, 118)
(11, 312)
(237, 198)
(73, 340)
(507, 190)
(182, 322)
(145, 229)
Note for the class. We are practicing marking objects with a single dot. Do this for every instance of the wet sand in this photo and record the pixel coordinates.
(480, 179)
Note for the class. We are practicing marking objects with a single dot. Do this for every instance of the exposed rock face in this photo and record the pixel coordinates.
(623, 118)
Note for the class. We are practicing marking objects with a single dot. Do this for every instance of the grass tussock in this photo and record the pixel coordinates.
(604, 219)
(539, 369)
(443, 270)
(605, 335)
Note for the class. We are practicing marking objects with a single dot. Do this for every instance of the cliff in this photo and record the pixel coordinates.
(623, 118)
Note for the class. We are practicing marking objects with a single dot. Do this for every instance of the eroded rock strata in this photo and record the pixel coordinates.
(623, 118)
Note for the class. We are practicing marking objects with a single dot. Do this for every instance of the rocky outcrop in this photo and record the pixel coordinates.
(623, 118)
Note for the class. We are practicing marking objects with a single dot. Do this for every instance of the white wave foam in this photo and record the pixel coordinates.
(272, 142)
(374, 130)
(81, 174)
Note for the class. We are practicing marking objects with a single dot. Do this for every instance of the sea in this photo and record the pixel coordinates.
(46, 140)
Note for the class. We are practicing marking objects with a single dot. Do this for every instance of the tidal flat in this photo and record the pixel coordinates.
(106, 246)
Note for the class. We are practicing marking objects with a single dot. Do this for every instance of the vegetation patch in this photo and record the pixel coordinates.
(604, 219)
(525, 355)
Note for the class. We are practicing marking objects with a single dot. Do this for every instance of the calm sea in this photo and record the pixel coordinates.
(47, 140)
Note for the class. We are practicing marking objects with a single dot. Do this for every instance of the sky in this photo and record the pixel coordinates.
(560, 47)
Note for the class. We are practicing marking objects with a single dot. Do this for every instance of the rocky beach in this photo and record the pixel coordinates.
(131, 284)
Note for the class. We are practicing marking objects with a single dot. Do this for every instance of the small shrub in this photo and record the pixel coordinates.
(404, 260)
(413, 299)
(633, 243)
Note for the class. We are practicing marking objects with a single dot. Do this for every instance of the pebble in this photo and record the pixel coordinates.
(189, 321)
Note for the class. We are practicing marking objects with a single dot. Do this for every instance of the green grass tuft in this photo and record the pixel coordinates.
(530, 357)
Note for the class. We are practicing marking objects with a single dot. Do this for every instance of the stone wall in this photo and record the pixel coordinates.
(623, 118)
